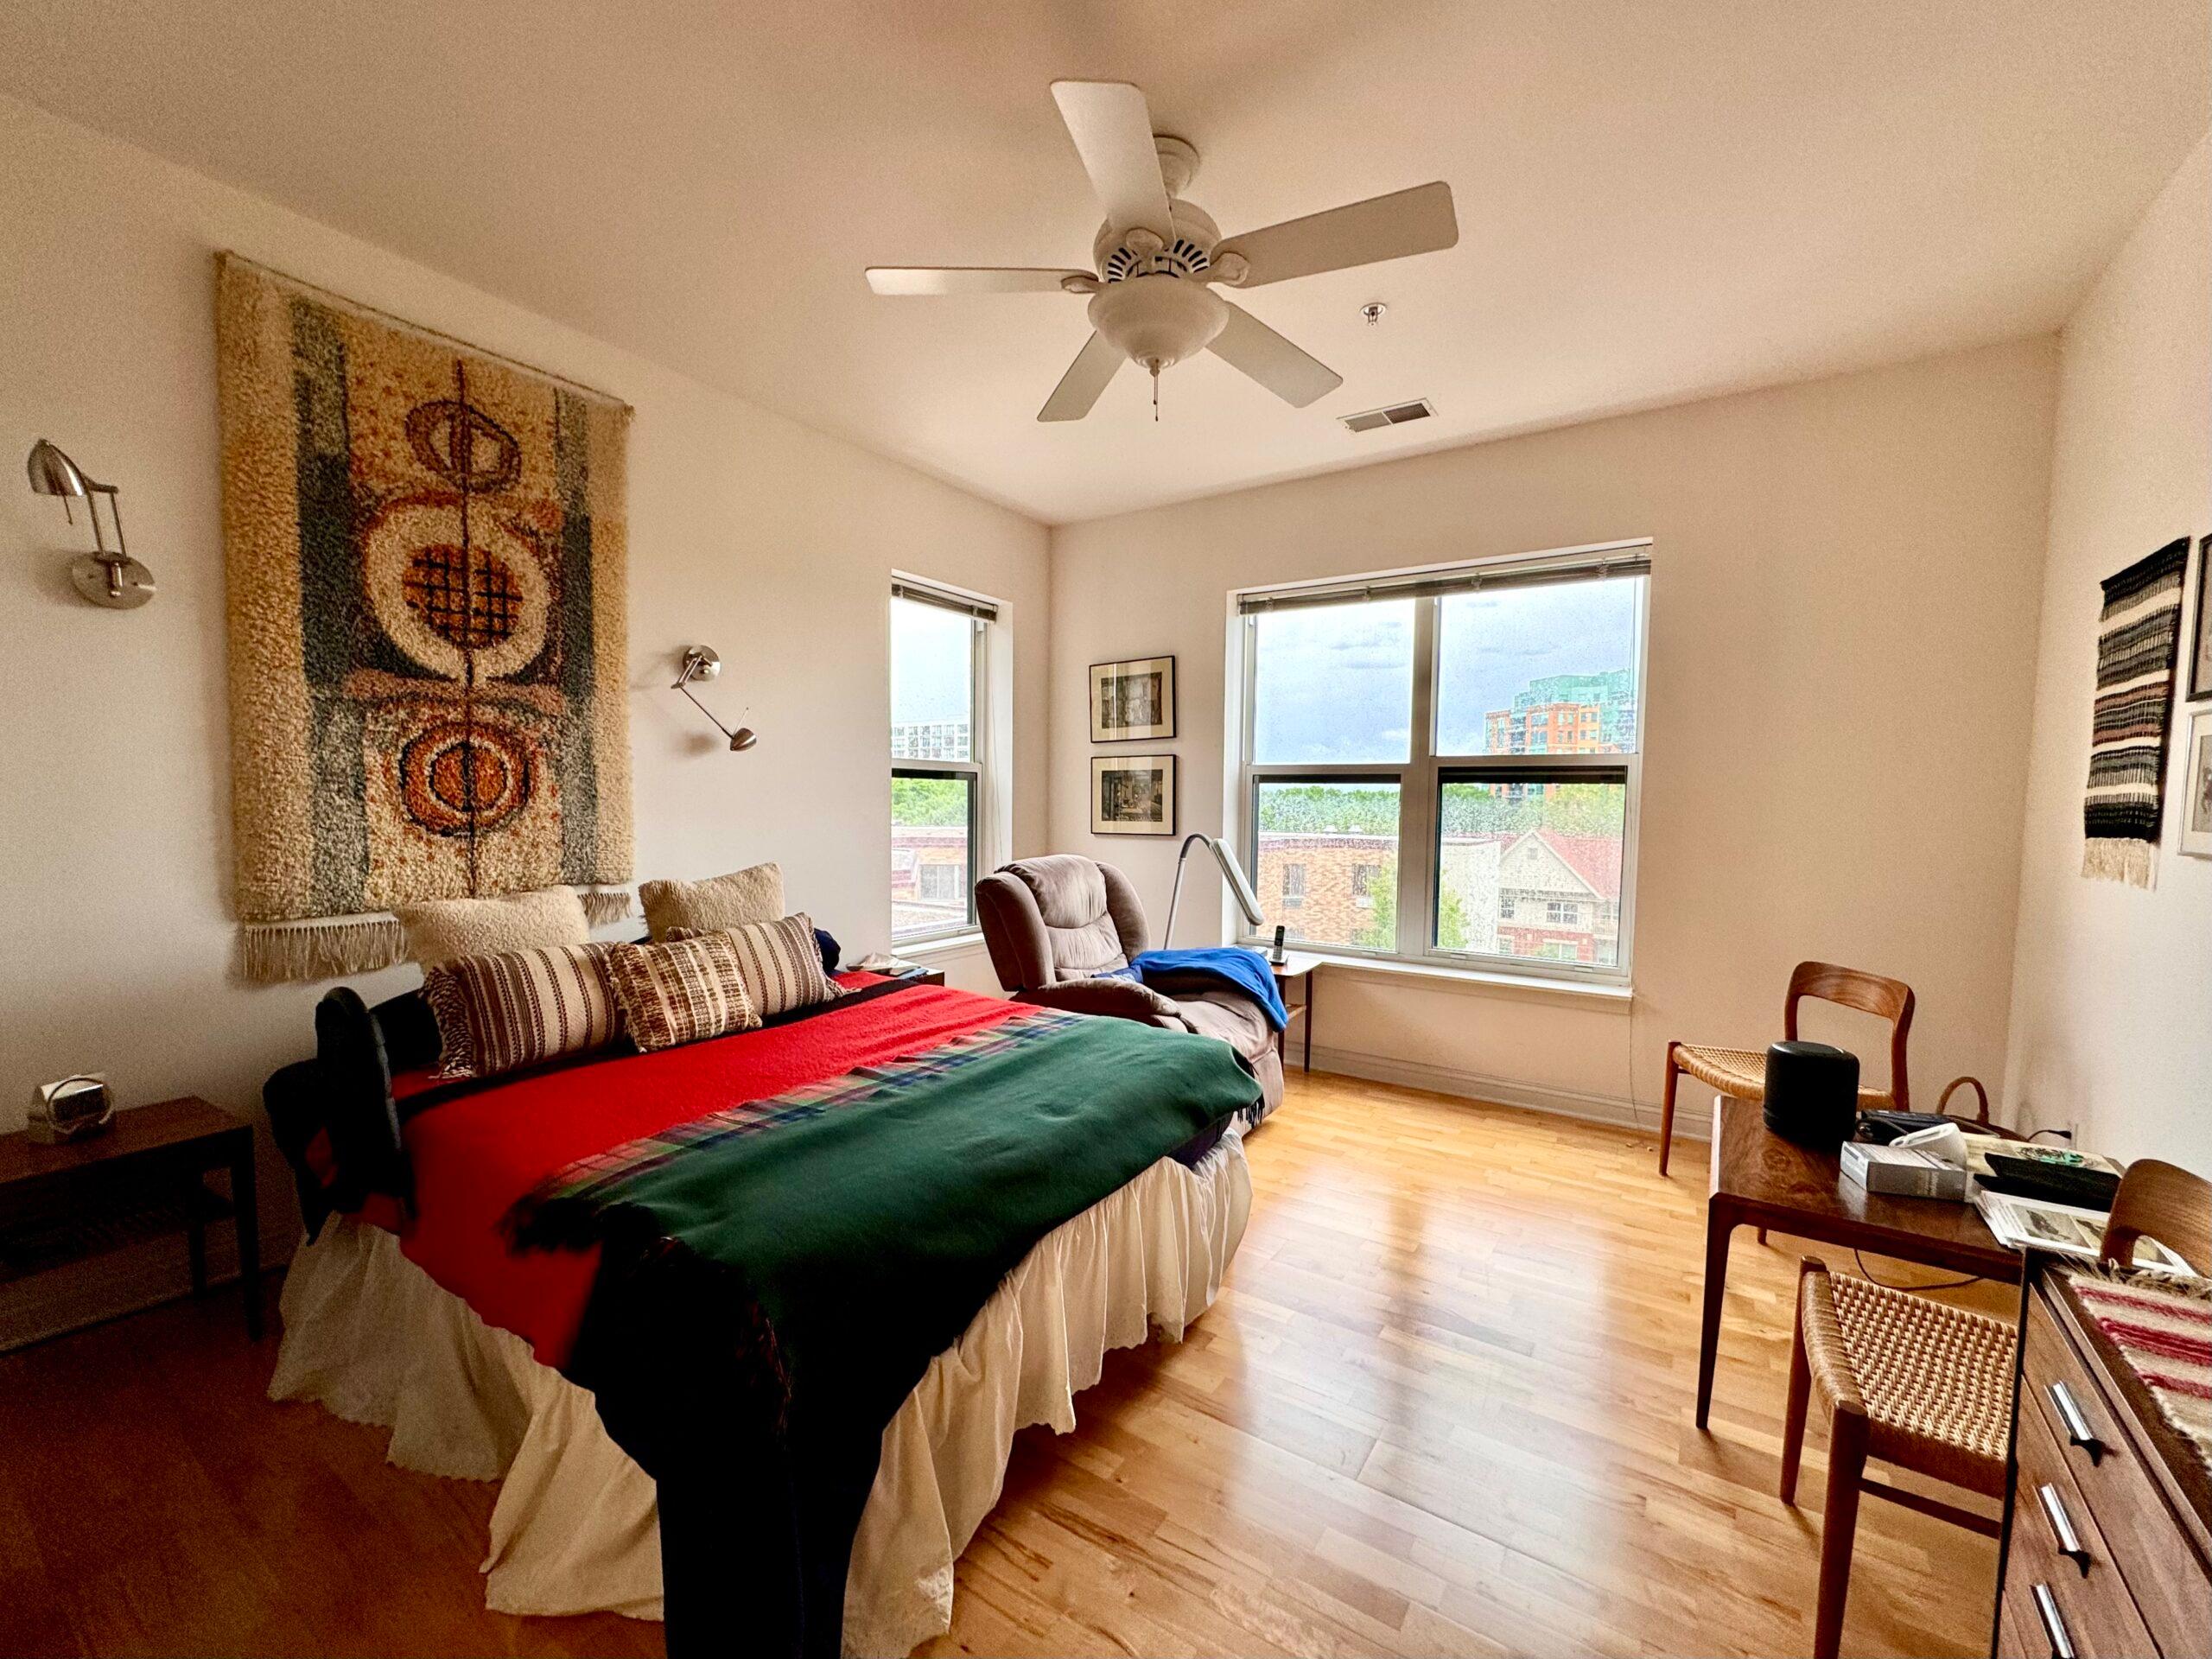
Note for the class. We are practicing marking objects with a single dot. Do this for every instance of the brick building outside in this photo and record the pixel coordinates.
(1534, 894)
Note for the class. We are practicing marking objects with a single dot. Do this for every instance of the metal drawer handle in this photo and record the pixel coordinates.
(2061, 1645)
(2077, 1426)
(2062, 1526)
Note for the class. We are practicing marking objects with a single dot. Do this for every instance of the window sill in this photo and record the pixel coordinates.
(1615, 999)
(940, 945)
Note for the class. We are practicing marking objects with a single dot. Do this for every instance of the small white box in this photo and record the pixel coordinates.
(1903, 1172)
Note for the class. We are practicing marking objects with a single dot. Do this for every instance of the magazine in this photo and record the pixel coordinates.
(2035, 1224)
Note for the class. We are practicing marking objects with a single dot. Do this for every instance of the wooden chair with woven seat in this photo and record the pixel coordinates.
(1928, 1387)
(1911, 1381)
(1742, 1071)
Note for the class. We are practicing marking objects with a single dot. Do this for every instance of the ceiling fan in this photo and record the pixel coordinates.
(1159, 259)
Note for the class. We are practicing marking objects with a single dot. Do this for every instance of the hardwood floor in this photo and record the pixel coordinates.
(1444, 1406)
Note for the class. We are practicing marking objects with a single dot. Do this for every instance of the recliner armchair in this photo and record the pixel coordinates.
(1055, 924)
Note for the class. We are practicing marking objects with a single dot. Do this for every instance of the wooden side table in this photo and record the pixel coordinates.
(1762, 1180)
(1295, 970)
(150, 1161)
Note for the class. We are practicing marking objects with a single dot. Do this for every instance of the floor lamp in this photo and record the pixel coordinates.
(1231, 872)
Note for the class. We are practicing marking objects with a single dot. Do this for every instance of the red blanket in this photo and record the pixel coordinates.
(476, 1156)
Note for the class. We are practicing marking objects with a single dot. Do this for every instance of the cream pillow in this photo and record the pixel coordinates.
(715, 905)
(444, 929)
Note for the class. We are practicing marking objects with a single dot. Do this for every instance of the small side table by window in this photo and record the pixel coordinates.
(1296, 969)
(915, 974)
(142, 1175)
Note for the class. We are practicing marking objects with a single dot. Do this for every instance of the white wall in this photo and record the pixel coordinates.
(762, 538)
(2111, 989)
(1843, 623)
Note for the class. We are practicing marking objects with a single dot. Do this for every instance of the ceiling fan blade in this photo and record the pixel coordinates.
(1112, 129)
(1086, 377)
(967, 279)
(1246, 343)
(1418, 220)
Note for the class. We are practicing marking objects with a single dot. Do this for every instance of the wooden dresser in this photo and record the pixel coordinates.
(2107, 1542)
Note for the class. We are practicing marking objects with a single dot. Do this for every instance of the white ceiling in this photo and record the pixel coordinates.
(1656, 200)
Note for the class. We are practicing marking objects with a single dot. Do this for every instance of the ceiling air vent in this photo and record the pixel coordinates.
(1395, 415)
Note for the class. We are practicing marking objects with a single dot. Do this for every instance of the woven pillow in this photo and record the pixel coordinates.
(781, 961)
(681, 992)
(519, 1007)
(443, 929)
(721, 901)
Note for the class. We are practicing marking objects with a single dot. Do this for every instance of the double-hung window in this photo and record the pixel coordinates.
(1443, 764)
(939, 665)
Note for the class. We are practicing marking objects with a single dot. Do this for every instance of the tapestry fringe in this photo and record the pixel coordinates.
(337, 947)
(2135, 862)
(270, 954)
(605, 904)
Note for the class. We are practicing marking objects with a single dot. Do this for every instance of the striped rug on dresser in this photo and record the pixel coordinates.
(2137, 634)
(2163, 1328)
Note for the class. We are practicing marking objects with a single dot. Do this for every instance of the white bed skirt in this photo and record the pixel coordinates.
(373, 1338)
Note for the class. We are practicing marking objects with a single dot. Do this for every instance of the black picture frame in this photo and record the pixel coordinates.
(1102, 795)
(1157, 731)
(2199, 638)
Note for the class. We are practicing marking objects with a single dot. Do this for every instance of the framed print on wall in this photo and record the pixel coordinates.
(2200, 649)
(2196, 788)
(1133, 795)
(1133, 700)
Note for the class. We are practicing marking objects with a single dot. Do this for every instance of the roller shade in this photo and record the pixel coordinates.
(944, 599)
(1630, 559)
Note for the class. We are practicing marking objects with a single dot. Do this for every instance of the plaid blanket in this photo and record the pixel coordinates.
(562, 1209)
(764, 1300)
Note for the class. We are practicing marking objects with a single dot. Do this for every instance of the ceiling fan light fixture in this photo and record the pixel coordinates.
(1157, 321)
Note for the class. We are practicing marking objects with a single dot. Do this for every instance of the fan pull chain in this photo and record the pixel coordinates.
(1155, 394)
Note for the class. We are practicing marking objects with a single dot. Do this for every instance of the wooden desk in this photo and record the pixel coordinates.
(1761, 1179)
(1295, 970)
(169, 1147)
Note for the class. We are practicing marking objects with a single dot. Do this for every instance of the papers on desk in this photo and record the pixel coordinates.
(2034, 1224)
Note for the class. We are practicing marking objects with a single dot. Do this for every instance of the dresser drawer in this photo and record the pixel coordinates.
(2057, 1545)
(2082, 1434)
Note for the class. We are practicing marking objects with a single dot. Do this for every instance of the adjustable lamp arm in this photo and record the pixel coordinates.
(1231, 872)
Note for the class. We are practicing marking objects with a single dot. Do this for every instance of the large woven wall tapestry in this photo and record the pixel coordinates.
(2137, 632)
(425, 549)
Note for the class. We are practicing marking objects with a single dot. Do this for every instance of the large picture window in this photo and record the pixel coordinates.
(1443, 765)
(938, 659)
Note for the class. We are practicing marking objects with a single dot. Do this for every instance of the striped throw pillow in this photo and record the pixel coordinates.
(781, 962)
(682, 991)
(519, 1007)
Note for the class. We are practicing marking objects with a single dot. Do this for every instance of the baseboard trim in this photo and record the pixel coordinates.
(1503, 1091)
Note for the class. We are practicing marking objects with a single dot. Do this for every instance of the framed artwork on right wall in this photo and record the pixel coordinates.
(2197, 787)
(2200, 646)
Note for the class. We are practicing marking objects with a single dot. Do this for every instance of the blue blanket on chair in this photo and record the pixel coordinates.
(1232, 964)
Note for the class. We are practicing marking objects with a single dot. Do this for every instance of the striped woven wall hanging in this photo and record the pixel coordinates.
(425, 548)
(2138, 633)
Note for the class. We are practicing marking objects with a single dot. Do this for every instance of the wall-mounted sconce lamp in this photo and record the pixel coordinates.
(111, 578)
(700, 663)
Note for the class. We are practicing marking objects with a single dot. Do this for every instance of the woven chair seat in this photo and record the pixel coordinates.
(1741, 1072)
(1935, 1381)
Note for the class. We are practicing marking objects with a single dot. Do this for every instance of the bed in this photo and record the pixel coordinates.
(746, 1328)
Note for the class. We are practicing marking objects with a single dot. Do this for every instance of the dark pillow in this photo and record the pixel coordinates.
(830, 950)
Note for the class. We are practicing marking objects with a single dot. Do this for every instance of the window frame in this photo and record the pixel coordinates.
(1422, 776)
(975, 768)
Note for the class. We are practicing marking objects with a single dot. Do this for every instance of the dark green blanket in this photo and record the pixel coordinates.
(772, 1289)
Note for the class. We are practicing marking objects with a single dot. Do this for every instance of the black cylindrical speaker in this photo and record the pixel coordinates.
(1812, 1093)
